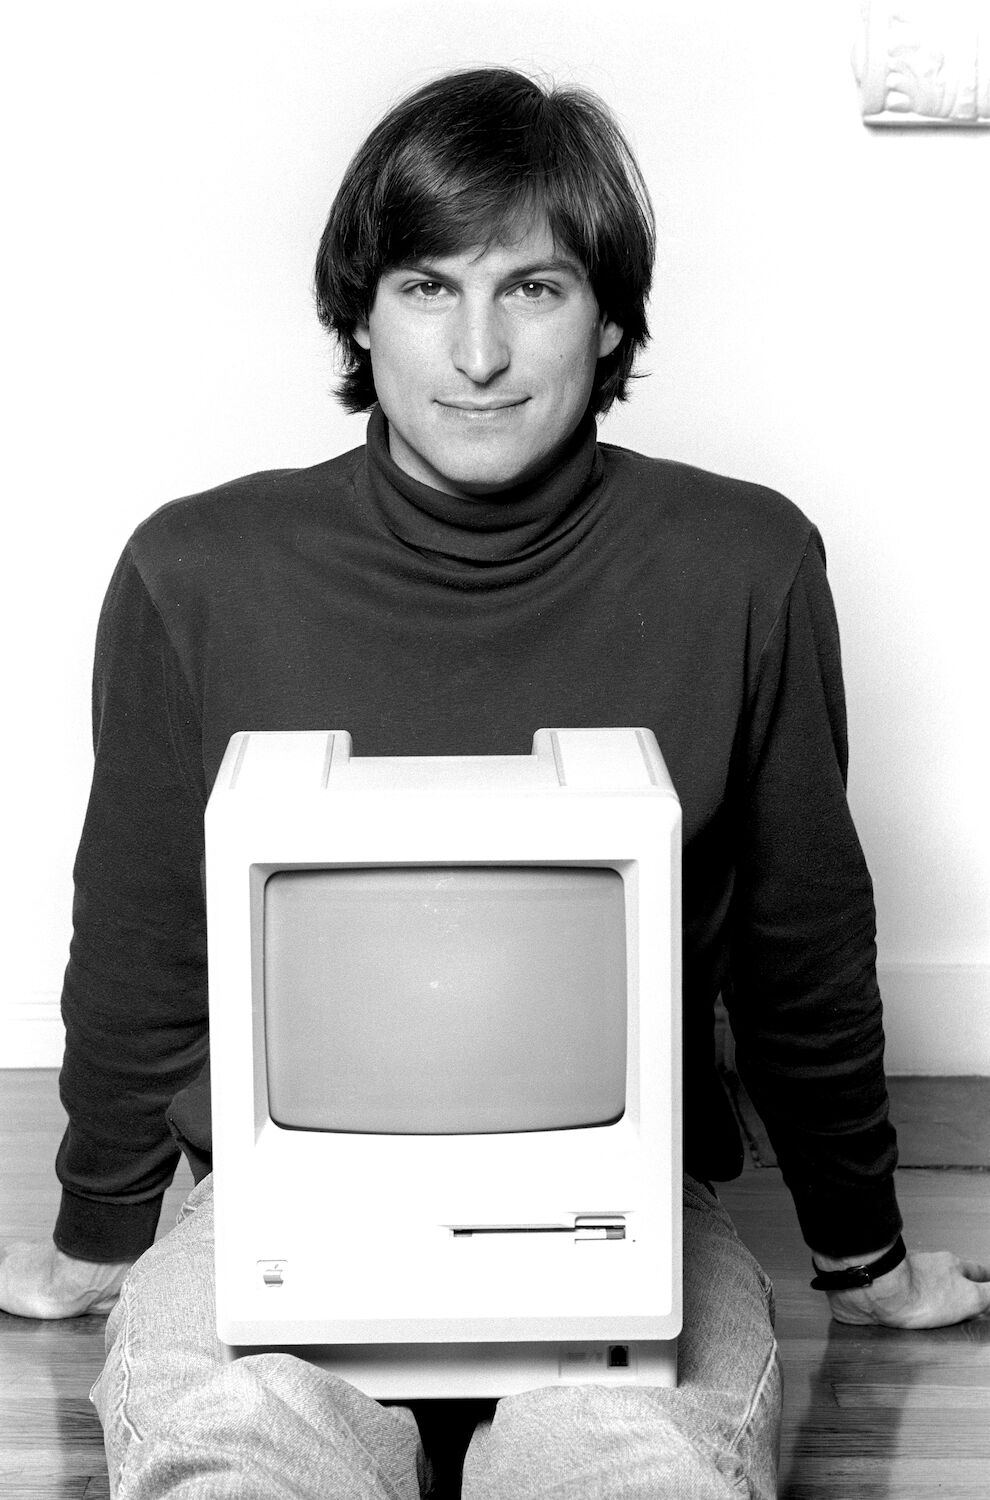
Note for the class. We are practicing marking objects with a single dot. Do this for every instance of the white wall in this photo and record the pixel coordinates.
(820, 323)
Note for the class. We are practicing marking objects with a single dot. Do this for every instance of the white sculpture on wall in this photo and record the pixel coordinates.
(924, 62)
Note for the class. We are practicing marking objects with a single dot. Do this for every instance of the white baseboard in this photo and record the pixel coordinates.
(937, 1019)
(33, 1034)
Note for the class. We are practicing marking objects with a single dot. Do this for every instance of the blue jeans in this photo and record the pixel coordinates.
(181, 1423)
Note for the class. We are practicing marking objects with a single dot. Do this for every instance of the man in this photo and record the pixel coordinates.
(481, 568)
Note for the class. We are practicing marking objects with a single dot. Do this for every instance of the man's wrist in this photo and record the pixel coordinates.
(842, 1262)
(852, 1273)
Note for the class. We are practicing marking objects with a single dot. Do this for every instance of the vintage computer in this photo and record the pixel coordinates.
(445, 1032)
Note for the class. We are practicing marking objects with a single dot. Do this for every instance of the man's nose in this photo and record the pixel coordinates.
(480, 349)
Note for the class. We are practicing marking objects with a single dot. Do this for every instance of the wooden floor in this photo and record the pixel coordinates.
(869, 1414)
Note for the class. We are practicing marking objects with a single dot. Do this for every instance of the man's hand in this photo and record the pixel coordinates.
(39, 1281)
(924, 1291)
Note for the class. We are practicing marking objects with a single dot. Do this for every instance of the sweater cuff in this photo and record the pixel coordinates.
(847, 1221)
(88, 1230)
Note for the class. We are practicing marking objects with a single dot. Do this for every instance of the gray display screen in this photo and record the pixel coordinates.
(461, 999)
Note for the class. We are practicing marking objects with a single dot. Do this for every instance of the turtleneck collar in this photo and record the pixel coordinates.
(518, 532)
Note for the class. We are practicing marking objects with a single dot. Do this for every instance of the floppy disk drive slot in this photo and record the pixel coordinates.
(585, 1227)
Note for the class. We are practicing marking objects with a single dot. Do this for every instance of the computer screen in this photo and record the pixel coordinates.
(445, 999)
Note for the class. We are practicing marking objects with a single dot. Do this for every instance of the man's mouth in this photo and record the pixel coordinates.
(482, 408)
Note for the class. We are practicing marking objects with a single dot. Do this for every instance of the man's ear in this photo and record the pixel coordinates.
(609, 337)
(361, 335)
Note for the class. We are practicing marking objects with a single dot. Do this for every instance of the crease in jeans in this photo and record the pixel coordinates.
(123, 1394)
(742, 1433)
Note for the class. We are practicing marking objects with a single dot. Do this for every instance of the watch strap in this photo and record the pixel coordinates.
(852, 1278)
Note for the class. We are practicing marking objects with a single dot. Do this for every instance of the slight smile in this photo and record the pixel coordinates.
(482, 408)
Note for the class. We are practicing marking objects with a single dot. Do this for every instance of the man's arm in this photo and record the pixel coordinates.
(134, 999)
(804, 1003)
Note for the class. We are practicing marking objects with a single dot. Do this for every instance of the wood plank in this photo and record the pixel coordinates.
(54, 1484)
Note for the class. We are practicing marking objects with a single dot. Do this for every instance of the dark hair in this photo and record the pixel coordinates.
(471, 159)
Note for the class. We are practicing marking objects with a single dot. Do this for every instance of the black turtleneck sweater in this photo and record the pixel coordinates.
(618, 590)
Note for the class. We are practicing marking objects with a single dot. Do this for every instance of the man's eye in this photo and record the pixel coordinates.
(533, 291)
(428, 289)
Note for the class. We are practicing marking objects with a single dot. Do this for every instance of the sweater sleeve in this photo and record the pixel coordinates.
(134, 998)
(803, 997)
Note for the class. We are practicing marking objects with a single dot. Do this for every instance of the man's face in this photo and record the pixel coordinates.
(484, 361)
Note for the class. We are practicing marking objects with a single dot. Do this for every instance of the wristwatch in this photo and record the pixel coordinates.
(852, 1278)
